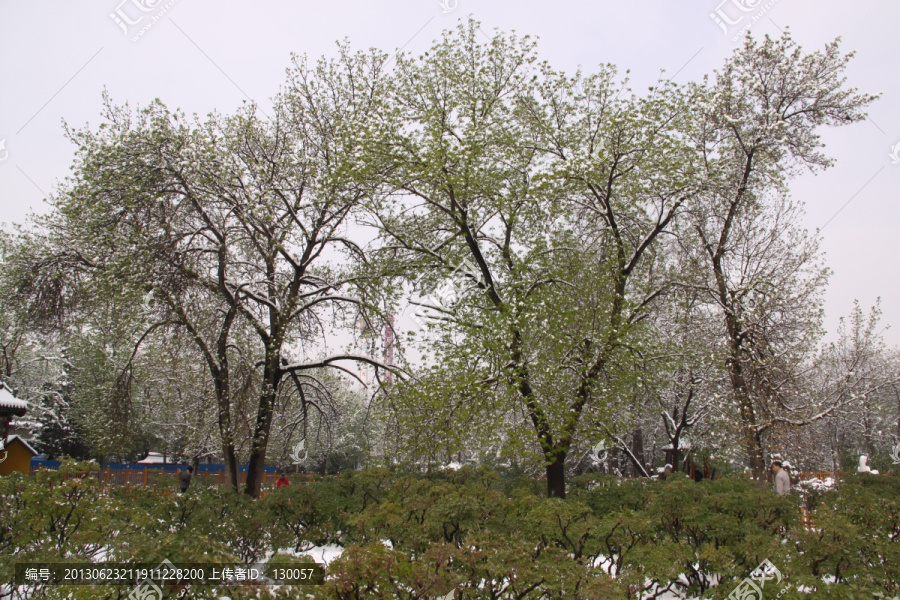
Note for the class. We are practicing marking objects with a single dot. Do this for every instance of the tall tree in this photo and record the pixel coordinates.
(32, 362)
(233, 223)
(763, 271)
(553, 189)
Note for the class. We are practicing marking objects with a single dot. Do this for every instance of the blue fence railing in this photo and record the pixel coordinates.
(137, 474)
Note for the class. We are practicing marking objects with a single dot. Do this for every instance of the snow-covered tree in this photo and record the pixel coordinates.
(762, 270)
(231, 223)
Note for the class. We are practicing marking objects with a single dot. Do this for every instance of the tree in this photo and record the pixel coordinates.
(762, 271)
(176, 400)
(676, 406)
(552, 191)
(323, 423)
(32, 364)
(232, 223)
(34, 367)
(104, 382)
(858, 376)
(58, 434)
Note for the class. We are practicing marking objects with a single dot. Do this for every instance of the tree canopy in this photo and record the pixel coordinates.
(592, 265)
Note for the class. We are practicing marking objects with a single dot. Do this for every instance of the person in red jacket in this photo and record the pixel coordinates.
(282, 481)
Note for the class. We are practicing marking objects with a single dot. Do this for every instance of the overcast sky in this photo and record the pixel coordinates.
(56, 58)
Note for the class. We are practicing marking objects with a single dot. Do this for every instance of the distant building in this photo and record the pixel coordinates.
(10, 407)
(16, 454)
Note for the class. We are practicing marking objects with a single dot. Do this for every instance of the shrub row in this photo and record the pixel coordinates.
(472, 531)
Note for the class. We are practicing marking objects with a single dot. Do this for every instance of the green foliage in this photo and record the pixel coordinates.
(606, 493)
(857, 534)
(297, 514)
(557, 198)
(424, 537)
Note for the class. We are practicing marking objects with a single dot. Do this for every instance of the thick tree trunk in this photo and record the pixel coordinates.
(223, 397)
(255, 467)
(231, 466)
(752, 440)
(673, 456)
(754, 451)
(556, 473)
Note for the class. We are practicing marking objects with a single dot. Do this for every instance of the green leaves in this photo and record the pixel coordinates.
(408, 536)
(551, 190)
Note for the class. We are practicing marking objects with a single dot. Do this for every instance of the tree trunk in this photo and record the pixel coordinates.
(752, 438)
(226, 437)
(223, 397)
(556, 473)
(673, 457)
(231, 465)
(637, 449)
(255, 467)
(898, 414)
(755, 454)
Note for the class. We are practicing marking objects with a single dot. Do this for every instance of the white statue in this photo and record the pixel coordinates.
(863, 467)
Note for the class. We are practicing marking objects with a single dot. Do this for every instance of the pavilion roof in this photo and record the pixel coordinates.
(9, 404)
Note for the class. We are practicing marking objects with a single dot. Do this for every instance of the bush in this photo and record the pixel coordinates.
(856, 535)
(473, 532)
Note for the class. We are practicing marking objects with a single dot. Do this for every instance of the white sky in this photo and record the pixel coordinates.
(200, 56)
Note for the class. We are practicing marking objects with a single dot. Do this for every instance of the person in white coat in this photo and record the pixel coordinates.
(782, 479)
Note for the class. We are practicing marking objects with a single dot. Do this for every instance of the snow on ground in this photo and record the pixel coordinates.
(821, 485)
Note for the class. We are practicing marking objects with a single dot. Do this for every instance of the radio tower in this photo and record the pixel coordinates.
(389, 347)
